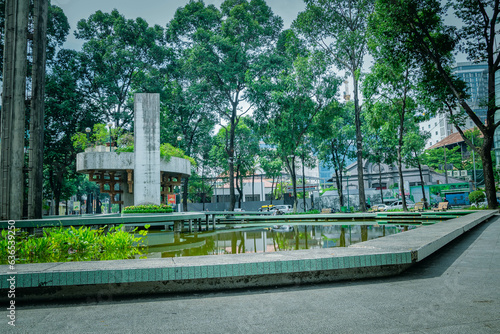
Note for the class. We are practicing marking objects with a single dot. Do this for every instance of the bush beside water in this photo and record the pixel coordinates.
(163, 208)
(58, 244)
(477, 196)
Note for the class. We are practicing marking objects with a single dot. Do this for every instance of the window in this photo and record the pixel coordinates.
(429, 126)
(436, 133)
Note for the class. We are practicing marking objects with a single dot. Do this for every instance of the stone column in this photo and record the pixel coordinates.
(12, 117)
(147, 149)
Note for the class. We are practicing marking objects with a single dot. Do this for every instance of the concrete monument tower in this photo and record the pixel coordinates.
(147, 149)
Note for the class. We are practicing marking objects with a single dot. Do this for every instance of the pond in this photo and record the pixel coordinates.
(259, 239)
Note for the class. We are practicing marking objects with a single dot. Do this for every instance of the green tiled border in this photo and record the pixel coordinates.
(204, 271)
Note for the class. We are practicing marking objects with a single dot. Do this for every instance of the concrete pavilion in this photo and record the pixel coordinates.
(139, 177)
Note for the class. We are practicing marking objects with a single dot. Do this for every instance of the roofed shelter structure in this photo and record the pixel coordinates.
(140, 177)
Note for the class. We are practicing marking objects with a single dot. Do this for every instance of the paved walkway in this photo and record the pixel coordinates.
(456, 290)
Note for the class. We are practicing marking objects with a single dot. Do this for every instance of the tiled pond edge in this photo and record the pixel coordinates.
(380, 257)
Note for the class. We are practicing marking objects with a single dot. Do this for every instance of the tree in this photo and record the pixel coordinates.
(393, 84)
(413, 152)
(439, 158)
(433, 43)
(116, 53)
(290, 97)
(65, 114)
(221, 47)
(395, 109)
(338, 27)
(246, 148)
(380, 144)
(272, 166)
(184, 116)
(334, 136)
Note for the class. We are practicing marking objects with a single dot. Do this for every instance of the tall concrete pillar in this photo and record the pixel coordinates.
(147, 149)
(13, 109)
(35, 182)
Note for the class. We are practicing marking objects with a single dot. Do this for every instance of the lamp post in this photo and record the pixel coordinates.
(179, 138)
(87, 130)
(110, 124)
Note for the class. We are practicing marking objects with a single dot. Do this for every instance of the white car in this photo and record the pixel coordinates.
(399, 205)
(283, 208)
(382, 207)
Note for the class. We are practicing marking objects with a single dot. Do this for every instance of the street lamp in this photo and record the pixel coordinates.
(87, 130)
(110, 124)
(179, 138)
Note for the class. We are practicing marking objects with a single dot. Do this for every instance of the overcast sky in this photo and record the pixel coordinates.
(154, 11)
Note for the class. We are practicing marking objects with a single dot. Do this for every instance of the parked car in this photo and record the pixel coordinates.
(382, 207)
(266, 208)
(282, 209)
(399, 205)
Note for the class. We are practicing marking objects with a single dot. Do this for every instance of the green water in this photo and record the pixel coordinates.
(264, 239)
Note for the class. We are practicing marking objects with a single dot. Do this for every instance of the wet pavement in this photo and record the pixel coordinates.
(455, 290)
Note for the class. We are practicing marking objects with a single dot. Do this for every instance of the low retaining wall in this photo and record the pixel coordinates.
(101, 280)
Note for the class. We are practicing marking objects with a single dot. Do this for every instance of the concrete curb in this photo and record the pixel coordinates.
(104, 279)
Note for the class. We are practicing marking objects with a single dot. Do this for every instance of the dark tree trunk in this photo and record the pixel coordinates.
(35, 183)
(489, 176)
(359, 146)
(380, 183)
(426, 205)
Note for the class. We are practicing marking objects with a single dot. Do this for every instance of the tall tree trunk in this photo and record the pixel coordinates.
(338, 174)
(489, 176)
(380, 183)
(35, 182)
(426, 205)
(400, 172)
(57, 200)
(272, 191)
(400, 147)
(253, 186)
(445, 166)
(340, 190)
(359, 146)
(232, 129)
(401, 181)
(303, 184)
(293, 176)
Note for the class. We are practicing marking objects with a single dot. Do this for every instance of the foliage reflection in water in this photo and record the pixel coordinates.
(264, 239)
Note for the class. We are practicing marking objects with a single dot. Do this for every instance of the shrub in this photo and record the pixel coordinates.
(476, 197)
(59, 244)
(151, 208)
(167, 151)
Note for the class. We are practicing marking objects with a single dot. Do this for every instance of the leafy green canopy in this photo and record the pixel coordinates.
(117, 52)
(221, 47)
(432, 43)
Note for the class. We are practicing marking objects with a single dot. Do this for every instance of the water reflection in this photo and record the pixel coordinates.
(269, 239)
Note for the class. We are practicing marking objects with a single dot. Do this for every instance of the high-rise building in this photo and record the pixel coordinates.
(476, 78)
